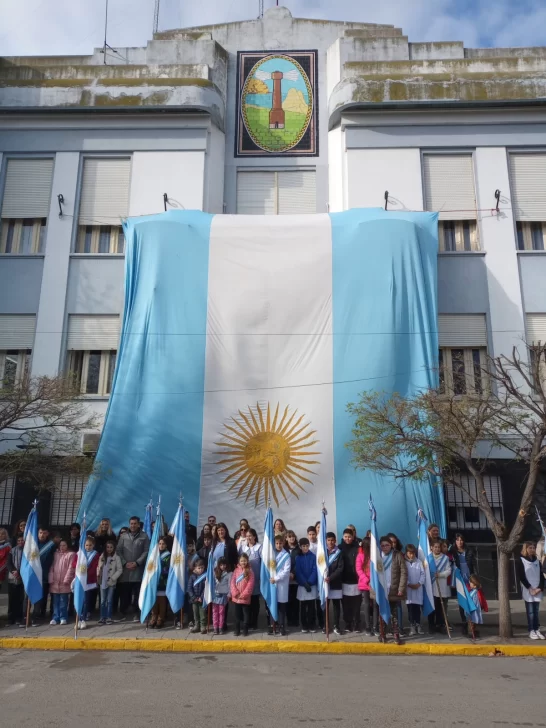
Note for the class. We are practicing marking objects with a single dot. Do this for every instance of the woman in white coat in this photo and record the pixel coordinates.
(531, 578)
(440, 569)
(416, 579)
(282, 580)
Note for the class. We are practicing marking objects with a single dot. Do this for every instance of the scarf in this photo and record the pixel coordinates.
(200, 578)
(240, 577)
(333, 556)
(46, 548)
(90, 555)
(387, 561)
(281, 558)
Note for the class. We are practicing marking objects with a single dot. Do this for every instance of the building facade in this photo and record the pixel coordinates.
(272, 116)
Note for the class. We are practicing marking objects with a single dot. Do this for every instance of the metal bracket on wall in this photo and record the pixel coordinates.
(165, 200)
(386, 198)
(60, 200)
(497, 197)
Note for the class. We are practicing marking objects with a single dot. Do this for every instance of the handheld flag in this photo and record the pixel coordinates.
(377, 575)
(539, 519)
(176, 581)
(269, 567)
(430, 568)
(322, 561)
(31, 566)
(148, 519)
(471, 609)
(210, 586)
(80, 582)
(150, 579)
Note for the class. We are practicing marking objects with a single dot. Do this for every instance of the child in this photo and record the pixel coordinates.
(196, 589)
(254, 553)
(90, 595)
(531, 579)
(109, 570)
(159, 610)
(307, 578)
(334, 578)
(363, 573)
(242, 585)
(416, 579)
(61, 574)
(193, 556)
(440, 570)
(313, 540)
(474, 586)
(221, 594)
(16, 588)
(396, 580)
(5, 548)
(282, 580)
(351, 593)
(204, 551)
(292, 608)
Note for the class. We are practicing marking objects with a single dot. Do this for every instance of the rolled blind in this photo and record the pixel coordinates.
(104, 198)
(27, 190)
(528, 184)
(297, 192)
(458, 497)
(459, 330)
(536, 328)
(256, 193)
(449, 186)
(17, 332)
(93, 333)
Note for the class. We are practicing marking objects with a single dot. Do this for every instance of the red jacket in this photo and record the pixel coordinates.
(92, 571)
(241, 592)
(5, 548)
(363, 572)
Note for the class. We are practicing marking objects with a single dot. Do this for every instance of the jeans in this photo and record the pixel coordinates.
(242, 614)
(414, 614)
(254, 611)
(532, 615)
(106, 602)
(128, 596)
(16, 598)
(60, 606)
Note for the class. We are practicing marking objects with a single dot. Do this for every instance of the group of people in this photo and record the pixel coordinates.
(116, 562)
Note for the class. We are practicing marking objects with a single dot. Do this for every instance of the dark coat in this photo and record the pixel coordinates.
(196, 591)
(191, 532)
(335, 572)
(470, 559)
(350, 552)
(399, 577)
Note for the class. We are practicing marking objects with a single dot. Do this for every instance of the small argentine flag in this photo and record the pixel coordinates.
(377, 575)
(269, 567)
(210, 585)
(148, 519)
(466, 602)
(31, 566)
(424, 552)
(150, 579)
(176, 581)
(322, 561)
(80, 582)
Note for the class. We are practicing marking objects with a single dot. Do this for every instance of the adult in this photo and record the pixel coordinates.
(433, 532)
(74, 541)
(206, 531)
(132, 549)
(5, 548)
(211, 520)
(224, 546)
(293, 606)
(18, 530)
(279, 529)
(254, 552)
(352, 597)
(191, 530)
(47, 550)
(103, 534)
(241, 537)
(397, 545)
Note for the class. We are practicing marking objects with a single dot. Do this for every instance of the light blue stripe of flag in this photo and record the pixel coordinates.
(148, 520)
(177, 579)
(152, 570)
(269, 567)
(430, 570)
(210, 586)
(31, 566)
(80, 582)
(377, 574)
(322, 561)
(463, 597)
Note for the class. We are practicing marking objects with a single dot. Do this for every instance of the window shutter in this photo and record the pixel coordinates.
(17, 332)
(297, 192)
(528, 184)
(449, 185)
(457, 496)
(460, 330)
(93, 333)
(256, 193)
(104, 198)
(66, 499)
(536, 328)
(27, 190)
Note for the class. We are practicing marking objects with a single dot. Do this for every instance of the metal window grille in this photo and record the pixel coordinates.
(7, 494)
(66, 499)
(462, 510)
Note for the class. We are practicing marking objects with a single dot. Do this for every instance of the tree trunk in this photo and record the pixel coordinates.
(505, 616)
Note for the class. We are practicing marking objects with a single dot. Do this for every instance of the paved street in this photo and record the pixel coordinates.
(63, 690)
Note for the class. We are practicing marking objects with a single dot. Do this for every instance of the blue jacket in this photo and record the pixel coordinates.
(195, 591)
(306, 569)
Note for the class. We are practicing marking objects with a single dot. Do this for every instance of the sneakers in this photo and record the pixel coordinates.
(136, 618)
(63, 622)
(54, 622)
(178, 626)
(368, 633)
(82, 624)
(245, 631)
(108, 621)
(413, 631)
(337, 630)
(283, 632)
(540, 635)
(270, 630)
(216, 632)
(313, 631)
(195, 630)
(305, 631)
(533, 635)
(101, 621)
(419, 629)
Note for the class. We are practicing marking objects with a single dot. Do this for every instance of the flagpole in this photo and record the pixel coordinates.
(443, 608)
(76, 626)
(471, 623)
(28, 614)
(326, 620)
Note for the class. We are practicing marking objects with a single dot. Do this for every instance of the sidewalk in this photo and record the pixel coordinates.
(130, 635)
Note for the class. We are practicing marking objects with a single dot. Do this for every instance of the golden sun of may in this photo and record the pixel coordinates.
(267, 457)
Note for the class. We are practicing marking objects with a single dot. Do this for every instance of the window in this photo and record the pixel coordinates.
(14, 366)
(276, 193)
(93, 370)
(92, 352)
(461, 502)
(104, 200)
(536, 335)
(7, 495)
(25, 206)
(449, 190)
(463, 353)
(66, 499)
(528, 188)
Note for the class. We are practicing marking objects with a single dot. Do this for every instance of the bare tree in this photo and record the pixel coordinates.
(42, 420)
(439, 434)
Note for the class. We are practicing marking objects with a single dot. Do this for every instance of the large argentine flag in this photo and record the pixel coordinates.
(31, 566)
(322, 560)
(424, 553)
(243, 340)
(80, 581)
(176, 581)
(148, 589)
(377, 573)
(268, 567)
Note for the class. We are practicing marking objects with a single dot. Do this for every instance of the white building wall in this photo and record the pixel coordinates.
(371, 172)
(336, 170)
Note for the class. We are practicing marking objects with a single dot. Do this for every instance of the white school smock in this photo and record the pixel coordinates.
(416, 575)
(305, 596)
(282, 577)
(441, 578)
(532, 574)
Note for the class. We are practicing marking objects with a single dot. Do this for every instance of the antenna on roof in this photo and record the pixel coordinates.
(105, 46)
(156, 16)
(260, 8)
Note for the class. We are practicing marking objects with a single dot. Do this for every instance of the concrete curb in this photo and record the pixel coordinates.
(267, 646)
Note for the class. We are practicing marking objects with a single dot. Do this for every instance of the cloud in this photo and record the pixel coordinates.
(40, 27)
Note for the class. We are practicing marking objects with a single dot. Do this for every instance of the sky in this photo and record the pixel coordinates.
(46, 27)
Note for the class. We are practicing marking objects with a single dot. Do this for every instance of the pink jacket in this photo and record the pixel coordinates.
(363, 573)
(241, 592)
(62, 572)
